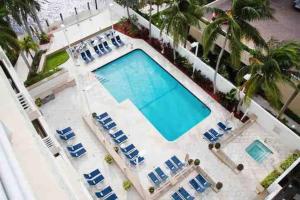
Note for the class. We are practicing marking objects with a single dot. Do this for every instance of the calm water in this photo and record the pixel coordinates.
(258, 151)
(169, 106)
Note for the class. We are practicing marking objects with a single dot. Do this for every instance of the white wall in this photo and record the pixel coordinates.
(269, 122)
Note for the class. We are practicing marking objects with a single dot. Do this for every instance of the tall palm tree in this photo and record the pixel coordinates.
(267, 68)
(179, 16)
(236, 22)
(27, 45)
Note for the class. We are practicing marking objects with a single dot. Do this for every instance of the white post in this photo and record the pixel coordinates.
(110, 14)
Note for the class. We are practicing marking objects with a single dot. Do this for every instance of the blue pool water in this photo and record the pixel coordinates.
(258, 151)
(168, 105)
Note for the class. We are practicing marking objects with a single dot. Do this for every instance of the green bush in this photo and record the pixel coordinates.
(38, 102)
(289, 161)
(127, 185)
(109, 159)
(270, 178)
(151, 190)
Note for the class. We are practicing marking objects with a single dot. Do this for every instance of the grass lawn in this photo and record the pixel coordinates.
(51, 66)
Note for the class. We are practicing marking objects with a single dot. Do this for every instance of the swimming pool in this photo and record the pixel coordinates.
(168, 105)
(258, 151)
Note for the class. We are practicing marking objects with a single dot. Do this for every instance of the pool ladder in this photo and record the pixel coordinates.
(101, 79)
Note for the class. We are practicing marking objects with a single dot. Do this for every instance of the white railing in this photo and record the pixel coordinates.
(288, 137)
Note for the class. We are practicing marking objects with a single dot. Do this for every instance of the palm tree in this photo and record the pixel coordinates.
(158, 3)
(127, 4)
(178, 17)
(236, 22)
(267, 68)
(27, 44)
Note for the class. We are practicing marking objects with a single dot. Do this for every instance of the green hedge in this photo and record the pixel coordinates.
(289, 161)
(270, 178)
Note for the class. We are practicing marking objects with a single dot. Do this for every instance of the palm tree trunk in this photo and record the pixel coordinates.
(30, 54)
(218, 62)
(24, 19)
(36, 17)
(157, 9)
(150, 18)
(26, 62)
(174, 52)
(127, 8)
(287, 103)
(187, 33)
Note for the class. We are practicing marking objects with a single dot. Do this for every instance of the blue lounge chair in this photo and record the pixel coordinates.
(97, 50)
(104, 192)
(177, 162)
(171, 166)
(185, 194)
(210, 137)
(92, 175)
(121, 43)
(161, 174)
(89, 55)
(202, 181)
(224, 127)
(117, 134)
(64, 131)
(67, 136)
(154, 179)
(121, 139)
(109, 126)
(102, 48)
(106, 46)
(137, 160)
(176, 196)
(112, 196)
(196, 186)
(105, 121)
(132, 155)
(78, 153)
(128, 149)
(102, 116)
(113, 40)
(215, 133)
(96, 180)
(75, 147)
(84, 57)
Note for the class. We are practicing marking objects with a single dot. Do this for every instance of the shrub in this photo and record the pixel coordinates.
(219, 185)
(38, 102)
(290, 160)
(240, 167)
(196, 162)
(151, 190)
(217, 145)
(190, 161)
(127, 185)
(210, 146)
(44, 38)
(268, 180)
(109, 159)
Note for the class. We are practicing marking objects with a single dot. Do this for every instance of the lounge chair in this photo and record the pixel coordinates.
(215, 133)
(105, 121)
(210, 137)
(104, 192)
(113, 40)
(185, 194)
(177, 162)
(89, 55)
(128, 149)
(107, 46)
(196, 186)
(171, 166)
(112, 196)
(97, 50)
(67, 136)
(121, 139)
(161, 174)
(64, 131)
(102, 116)
(92, 174)
(202, 181)
(176, 196)
(117, 134)
(75, 147)
(95, 180)
(84, 57)
(78, 153)
(109, 126)
(154, 179)
(137, 160)
(132, 155)
(224, 127)
(102, 48)
(121, 43)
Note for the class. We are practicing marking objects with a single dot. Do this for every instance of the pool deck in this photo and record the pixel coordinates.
(67, 110)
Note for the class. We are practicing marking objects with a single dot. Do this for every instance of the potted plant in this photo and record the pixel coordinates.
(219, 185)
(151, 190)
(116, 149)
(196, 162)
(190, 161)
(240, 167)
(127, 185)
(94, 115)
(210, 146)
(38, 102)
(218, 145)
(109, 159)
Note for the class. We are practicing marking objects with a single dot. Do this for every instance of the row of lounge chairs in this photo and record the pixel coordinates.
(87, 56)
(212, 135)
(119, 137)
(95, 177)
(158, 176)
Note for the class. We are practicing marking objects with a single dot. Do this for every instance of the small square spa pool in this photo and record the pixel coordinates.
(258, 151)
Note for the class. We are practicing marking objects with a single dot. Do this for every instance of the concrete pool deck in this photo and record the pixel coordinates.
(66, 110)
